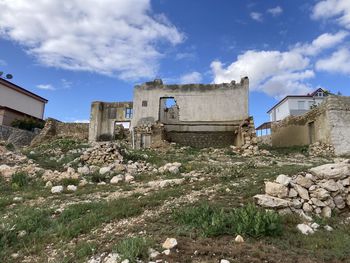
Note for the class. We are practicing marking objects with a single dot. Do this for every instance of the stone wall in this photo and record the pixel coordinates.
(329, 123)
(202, 139)
(264, 139)
(56, 129)
(16, 136)
(339, 122)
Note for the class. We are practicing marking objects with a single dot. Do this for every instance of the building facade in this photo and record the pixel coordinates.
(18, 103)
(296, 105)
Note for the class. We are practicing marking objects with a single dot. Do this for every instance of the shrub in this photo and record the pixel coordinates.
(213, 221)
(28, 124)
(70, 181)
(19, 180)
(133, 248)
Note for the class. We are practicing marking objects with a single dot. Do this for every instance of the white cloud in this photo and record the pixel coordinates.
(114, 37)
(322, 42)
(338, 9)
(278, 73)
(185, 55)
(45, 87)
(193, 77)
(276, 11)
(81, 121)
(338, 62)
(66, 84)
(256, 16)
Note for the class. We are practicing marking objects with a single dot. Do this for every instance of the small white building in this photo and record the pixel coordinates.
(18, 103)
(294, 105)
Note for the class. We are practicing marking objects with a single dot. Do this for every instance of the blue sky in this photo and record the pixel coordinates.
(73, 53)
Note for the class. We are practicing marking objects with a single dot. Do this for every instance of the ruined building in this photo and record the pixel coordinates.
(328, 123)
(196, 115)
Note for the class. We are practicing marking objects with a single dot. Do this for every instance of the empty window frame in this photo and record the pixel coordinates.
(144, 103)
(128, 113)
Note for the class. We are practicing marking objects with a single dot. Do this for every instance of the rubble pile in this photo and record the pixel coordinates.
(249, 139)
(321, 149)
(325, 188)
(102, 153)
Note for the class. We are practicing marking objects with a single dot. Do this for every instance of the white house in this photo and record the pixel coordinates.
(296, 105)
(18, 103)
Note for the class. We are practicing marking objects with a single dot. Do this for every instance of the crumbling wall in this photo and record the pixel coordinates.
(339, 122)
(103, 117)
(56, 129)
(331, 120)
(296, 130)
(196, 102)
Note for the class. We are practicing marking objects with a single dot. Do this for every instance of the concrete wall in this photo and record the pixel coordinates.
(21, 102)
(331, 126)
(339, 122)
(103, 117)
(197, 102)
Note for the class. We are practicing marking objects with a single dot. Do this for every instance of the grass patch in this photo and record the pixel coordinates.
(133, 248)
(19, 180)
(212, 221)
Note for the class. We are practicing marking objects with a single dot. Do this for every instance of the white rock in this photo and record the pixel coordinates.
(125, 261)
(84, 170)
(174, 170)
(330, 185)
(303, 181)
(83, 182)
(315, 226)
(271, 202)
(305, 229)
(307, 207)
(57, 189)
(328, 228)
(331, 171)
(166, 252)
(321, 194)
(169, 243)
(283, 179)
(112, 258)
(71, 188)
(303, 193)
(276, 189)
(224, 261)
(292, 193)
(129, 178)
(326, 211)
(153, 253)
(239, 239)
(105, 170)
(116, 179)
(48, 184)
(339, 202)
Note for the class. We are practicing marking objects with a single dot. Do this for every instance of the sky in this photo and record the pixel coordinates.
(73, 52)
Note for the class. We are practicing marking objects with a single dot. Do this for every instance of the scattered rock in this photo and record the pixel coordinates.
(239, 239)
(169, 243)
(305, 229)
(57, 189)
(271, 202)
(116, 179)
(71, 188)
